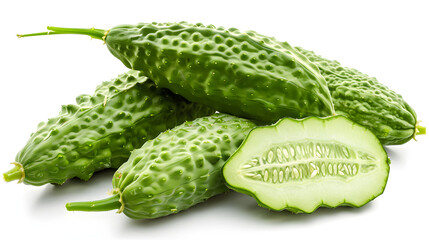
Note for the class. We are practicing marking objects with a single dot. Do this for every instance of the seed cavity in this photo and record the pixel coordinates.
(308, 160)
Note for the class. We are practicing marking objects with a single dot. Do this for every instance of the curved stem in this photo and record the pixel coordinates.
(35, 34)
(420, 130)
(92, 32)
(111, 203)
(16, 173)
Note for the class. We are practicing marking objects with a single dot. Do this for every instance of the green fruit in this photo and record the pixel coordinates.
(368, 102)
(300, 165)
(176, 170)
(241, 73)
(101, 130)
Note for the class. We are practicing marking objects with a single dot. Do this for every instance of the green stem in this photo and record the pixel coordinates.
(420, 130)
(92, 32)
(107, 204)
(15, 173)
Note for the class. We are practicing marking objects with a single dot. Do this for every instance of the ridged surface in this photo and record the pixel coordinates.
(241, 73)
(181, 167)
(100, 131)
(366, 101)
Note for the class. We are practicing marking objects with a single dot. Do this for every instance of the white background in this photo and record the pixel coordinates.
(385, 39)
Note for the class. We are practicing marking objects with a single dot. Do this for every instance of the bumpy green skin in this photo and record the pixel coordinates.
(181, 167)
(101, 130)
(366, 101)
(241, 73)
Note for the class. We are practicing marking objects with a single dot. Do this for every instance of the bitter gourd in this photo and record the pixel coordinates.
(176, 170)
(368, 102)
(101, 130)
(300, 165)
(241, 73)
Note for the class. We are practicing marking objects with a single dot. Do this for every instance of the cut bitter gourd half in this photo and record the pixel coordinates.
(300, 165)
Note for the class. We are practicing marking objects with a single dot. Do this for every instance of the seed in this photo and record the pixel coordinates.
(340, 169)
(295, 173)
(254, 162)
(314, 173)
(279, 155)
(314, 170)
(292, 151)
(318, 151)
(270, 156)
(287, 171)
(286, 155)
(247, 166)
(346, 151)
(281, 176)
(327, 150)
(275, 176)
(323, 168)
(355, 169)
(312, 167)
(346, 169)
(298, 152)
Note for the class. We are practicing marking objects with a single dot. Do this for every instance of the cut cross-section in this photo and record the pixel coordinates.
(300, 165)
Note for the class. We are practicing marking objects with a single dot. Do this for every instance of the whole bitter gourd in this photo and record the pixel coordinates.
(176, 170)
(241, 73)
(101, 130)
(368, 102)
